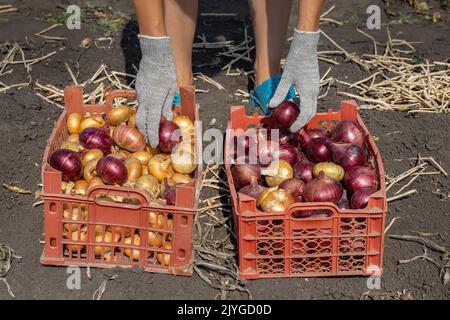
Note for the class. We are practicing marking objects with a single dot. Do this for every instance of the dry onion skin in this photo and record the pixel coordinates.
(71, 146)
(134, 169)
(92, 122)
(95, 181)
(186, 126)
(330, 169)
(143, 156)
(80, 187)
(149, 185)
(118, 115)
(183, 158)
(275, 200)
(74, 137)
(91, 155)
(179, 178)
(132, 121)
(160, 167)
(277, 172)
(74, 123)
(89, 170)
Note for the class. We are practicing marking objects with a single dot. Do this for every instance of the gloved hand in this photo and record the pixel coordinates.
(302, 71)
(155, 86)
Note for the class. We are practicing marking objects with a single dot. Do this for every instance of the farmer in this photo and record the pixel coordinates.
(166, 36)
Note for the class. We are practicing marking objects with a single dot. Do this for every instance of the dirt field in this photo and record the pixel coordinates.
(27, 121)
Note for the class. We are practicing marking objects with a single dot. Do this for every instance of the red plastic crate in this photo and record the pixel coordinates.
(271, 245)
(86, 214)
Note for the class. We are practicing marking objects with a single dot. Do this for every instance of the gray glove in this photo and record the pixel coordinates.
(302, 71)
(155, 86)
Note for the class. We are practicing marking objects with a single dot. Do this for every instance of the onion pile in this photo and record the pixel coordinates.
(108, 149)
(311, 165)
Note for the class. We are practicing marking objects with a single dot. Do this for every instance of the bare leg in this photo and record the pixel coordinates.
(270, 23)
(181, 18)
(177, 19)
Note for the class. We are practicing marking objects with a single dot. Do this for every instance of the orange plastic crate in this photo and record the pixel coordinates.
(86, 214)
(272, 245)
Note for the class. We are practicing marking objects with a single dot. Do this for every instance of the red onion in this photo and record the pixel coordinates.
(323, 189)
(253, 189)
(68, 162)
(347, 155)
(360, 177)
(302, 214)
(303, 137)
(348, 132)
(285, 114)
(96, 138)
(294, 187)
(287, 153)
(169, 135)
(243, 172)
(244, 145)
(317, 151)
(343, 203)
(302, 157)
(169, 193)
(303, 171)
(266, 151)
(360, 198)
(112, 170)
(284, 137)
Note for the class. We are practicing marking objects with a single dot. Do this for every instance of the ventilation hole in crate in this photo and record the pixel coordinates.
(170, 221)
(311, 232)
(155, 239)
(267, 228)
(352, 245)
(353, 225)
(158, 220)
(52, 207)
(351, 263)
(311, 246)
(270, 247)
(314, 265)
(270, 266)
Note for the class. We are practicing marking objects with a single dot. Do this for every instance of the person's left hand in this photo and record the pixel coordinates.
(302, 71)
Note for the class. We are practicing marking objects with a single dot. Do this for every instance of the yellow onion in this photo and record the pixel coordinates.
(74, 122)
(132, 254)
(108, 239)
(144, 170)
(73, 138)
(118, 115)
(186, 126)
(134, 169)
(156, 220)
(89, 170)
(159, 167)
(183, 158)
(132, 121)
(330, 169)
(277, 172)
(81, 187)
(148, 184)
(129, 138)
(92, 122)
(91, 155)
(155, 239)
(164, 258)
(143, 156)
(179, 178)
(74, 217)
(71, 146)
(124, 153)
(275, 200)
(83, 235)
(95, 181)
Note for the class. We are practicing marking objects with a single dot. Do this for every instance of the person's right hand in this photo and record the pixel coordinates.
(155, 86)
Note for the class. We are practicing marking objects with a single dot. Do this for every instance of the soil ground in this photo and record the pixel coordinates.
(27, 120)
